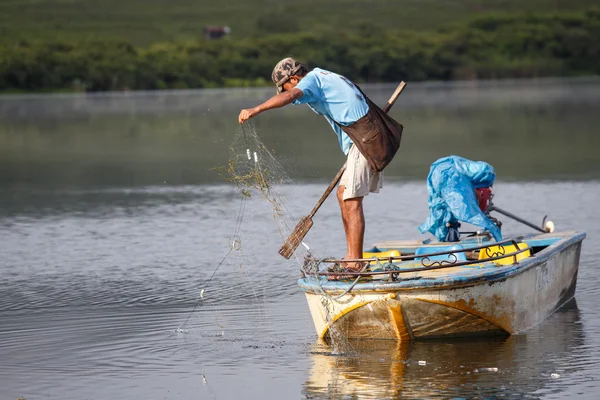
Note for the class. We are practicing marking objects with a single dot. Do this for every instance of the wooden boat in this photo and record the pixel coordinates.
(416, 290)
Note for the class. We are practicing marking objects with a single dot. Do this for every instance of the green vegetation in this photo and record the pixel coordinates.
(144, 22)
(488, 46)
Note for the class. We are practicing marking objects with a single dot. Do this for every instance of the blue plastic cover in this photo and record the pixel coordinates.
(450, 185)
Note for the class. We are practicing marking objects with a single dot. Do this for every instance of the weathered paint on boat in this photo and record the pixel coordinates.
(479, 299)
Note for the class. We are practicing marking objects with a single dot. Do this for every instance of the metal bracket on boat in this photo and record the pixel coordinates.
(501, 251)
(438, 263)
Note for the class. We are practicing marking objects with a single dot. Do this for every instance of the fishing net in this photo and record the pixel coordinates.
(256, 172)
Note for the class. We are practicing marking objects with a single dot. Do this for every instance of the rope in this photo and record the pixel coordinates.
(315, 264)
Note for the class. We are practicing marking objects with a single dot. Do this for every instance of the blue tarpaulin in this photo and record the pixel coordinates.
(450, 185)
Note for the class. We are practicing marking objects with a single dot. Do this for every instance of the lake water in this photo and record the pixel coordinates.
(114, 216)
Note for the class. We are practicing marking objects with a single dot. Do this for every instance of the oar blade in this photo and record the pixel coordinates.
(295, 238)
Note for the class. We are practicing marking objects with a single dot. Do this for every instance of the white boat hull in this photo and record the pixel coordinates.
(513, 300)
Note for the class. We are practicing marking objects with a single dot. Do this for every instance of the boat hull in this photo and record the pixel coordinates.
(503, 301)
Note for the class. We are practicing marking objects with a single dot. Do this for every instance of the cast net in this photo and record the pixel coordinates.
(257, 173)
(254, 170)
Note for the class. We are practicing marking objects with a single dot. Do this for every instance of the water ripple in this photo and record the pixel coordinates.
(95, 285)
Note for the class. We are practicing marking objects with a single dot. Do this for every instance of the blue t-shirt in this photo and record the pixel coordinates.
(334, 97)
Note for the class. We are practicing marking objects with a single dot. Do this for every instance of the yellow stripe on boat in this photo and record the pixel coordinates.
(340, 315)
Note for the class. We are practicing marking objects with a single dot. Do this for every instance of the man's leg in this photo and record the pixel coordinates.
(340, 196)
(354, 225)
(355, 235)
(358, 180)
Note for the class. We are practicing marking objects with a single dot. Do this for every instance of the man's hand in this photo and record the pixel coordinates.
(279, 100)
(246, 114)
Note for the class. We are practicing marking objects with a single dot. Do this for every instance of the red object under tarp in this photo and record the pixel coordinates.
(483, 196)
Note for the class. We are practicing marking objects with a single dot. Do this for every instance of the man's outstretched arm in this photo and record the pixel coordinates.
(279, 100)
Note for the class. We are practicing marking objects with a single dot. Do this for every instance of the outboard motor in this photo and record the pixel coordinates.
(459, 190)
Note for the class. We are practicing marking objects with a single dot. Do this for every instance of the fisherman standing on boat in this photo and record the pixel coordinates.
(367, 136)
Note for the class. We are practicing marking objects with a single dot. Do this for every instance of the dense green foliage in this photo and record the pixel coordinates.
(491, 46)
(144, 22)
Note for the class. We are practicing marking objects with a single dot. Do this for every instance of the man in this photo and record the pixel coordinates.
(346, 109)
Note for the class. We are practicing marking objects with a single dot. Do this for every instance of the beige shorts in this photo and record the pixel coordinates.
(359, 179)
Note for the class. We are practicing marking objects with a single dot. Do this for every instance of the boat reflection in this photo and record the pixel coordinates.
(490, 367)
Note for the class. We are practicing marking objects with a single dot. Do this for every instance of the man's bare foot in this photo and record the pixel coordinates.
(350, 267)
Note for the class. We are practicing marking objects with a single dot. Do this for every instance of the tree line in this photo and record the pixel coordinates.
(487, 47)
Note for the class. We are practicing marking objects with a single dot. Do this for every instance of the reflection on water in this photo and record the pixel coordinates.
(527, 129)
(467, 368)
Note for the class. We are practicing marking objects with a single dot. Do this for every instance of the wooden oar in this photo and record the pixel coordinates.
(305, 223)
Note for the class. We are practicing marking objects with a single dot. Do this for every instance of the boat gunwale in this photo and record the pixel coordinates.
(488, 274)
(440, 264)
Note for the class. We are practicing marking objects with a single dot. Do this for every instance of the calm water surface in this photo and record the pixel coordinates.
(113, 219)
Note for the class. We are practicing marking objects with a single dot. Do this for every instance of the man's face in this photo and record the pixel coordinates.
(291, 83)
